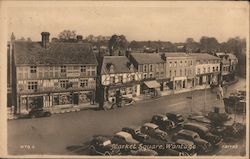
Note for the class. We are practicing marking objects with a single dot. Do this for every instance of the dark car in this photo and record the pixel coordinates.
(129, 146)
(203, 133)
(163, 122)
(186, 146)
(36, 113)
(176, 118)
(101, 145)
(135, 132)
(202, 145)
(229, 131)
(153, 131)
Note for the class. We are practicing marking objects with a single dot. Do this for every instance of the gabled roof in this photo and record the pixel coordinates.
(32, 53)
(120, 63)
(147, 58)
(232, 56)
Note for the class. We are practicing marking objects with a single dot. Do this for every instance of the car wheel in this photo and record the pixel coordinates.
(107, 153)
(92, 149)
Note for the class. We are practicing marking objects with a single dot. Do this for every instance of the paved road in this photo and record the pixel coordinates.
(58, 133)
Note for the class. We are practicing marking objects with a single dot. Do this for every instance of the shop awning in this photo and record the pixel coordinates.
(152, 84)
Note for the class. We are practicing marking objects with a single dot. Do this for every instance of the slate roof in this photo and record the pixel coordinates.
(147, 58)
(120, 63)
(177, 55)
(204, 56)
(32, 53)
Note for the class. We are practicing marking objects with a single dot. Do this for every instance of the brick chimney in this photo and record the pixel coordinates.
(45, 39)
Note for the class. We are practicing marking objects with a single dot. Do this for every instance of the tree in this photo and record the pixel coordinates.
(191, 45)
(67, 36)
(118, 44)
(209, 44)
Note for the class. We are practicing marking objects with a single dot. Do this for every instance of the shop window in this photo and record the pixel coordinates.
(33, 69)
(32, 85)
(63, 69)
(84, 83)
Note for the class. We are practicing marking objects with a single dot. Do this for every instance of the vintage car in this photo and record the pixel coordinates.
(229, 132)
(124, 138)
(186, 146)
(176, 118)
(163, 122)
(202, 145)
(153, 131)
(36, 113)
(143, 152)
(203, 133)
(101, 145)
(135, 132)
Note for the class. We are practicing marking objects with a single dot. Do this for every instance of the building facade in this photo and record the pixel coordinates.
(53, 74)
(119, 75)
(228, 66)
(152, 68)
(180, 70)
(207, 69)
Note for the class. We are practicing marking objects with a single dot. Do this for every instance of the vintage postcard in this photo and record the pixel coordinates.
(124, 79)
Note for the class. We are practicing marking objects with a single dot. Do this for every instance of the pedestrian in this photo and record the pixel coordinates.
(221, 94)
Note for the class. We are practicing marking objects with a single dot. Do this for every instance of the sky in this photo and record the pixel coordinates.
(166, 21)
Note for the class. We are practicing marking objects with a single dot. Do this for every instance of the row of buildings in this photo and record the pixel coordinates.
(50, 74)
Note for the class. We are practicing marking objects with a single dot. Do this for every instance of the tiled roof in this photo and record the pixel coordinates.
(204, 56)
(32, 53)
(120, 64)
(147, 58)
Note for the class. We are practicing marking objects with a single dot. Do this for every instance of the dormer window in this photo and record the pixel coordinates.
(110, 67)
(131, 67)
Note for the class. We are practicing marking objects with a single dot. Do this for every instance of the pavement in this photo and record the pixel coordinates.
(58, 134)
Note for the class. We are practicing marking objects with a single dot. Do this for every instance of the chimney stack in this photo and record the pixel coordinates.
(45, 39)
(79, 38)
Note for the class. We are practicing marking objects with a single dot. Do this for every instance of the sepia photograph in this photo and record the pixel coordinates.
(124, 79)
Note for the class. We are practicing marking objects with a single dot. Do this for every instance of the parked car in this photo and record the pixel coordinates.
(229, 131)
(143, 152)
(203, 133)
(136, 133)
(186, 146)
(202, 145)
(101, 145)
(163, 122)
(154, 131)
(176, 118)
(36, 113)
